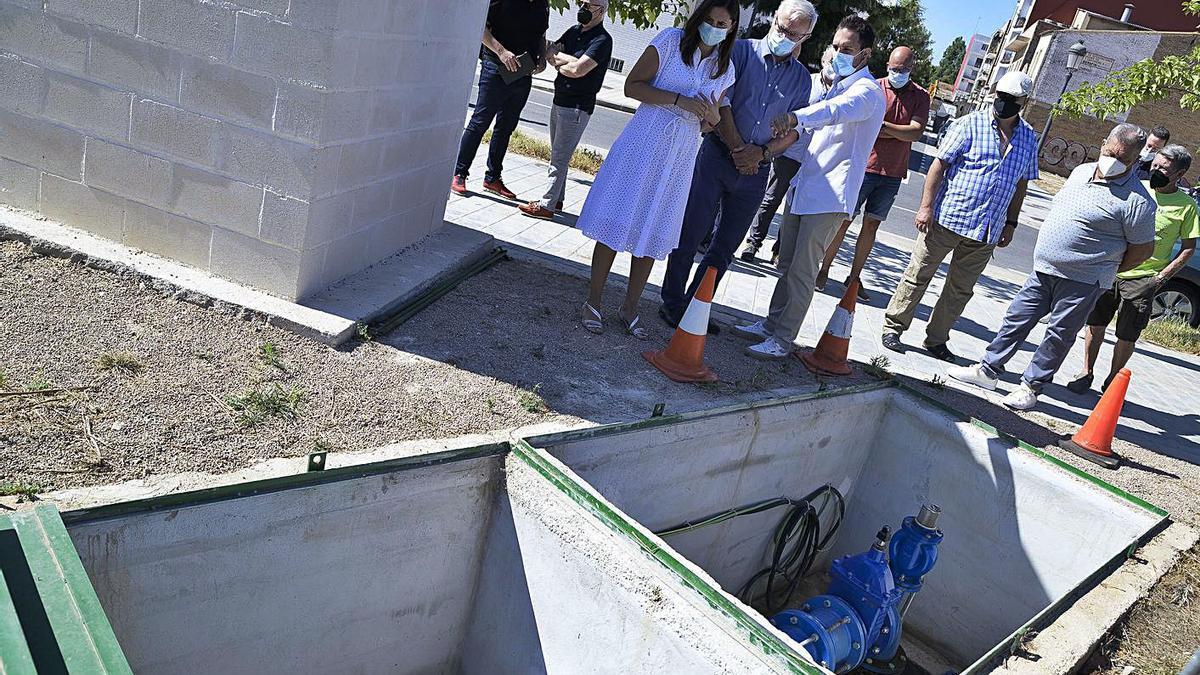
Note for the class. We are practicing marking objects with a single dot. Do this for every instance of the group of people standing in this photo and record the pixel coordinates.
(729, 128)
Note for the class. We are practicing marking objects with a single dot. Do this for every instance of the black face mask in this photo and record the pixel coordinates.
(1006, 107)
(1158, 179)
(584, 16)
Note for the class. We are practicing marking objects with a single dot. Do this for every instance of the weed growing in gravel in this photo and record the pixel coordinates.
(491, 405)
(364, 332)
(268, 353)
(27, 492)
(207, 357)
(39, 382)
(3, 381)
(938, 382)
(255, 406)
(880, 367)
(322, 445)
(122, 362)
(532, 401)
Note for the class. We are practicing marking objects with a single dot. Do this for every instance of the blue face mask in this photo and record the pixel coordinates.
(778, 44)
(843, 64)
(896, 79)
(711, 35)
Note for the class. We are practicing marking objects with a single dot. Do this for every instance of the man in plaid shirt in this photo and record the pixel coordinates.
(973, 195)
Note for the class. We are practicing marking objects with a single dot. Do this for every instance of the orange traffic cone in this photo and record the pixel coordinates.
(683, 359)
(1094, 439)
(829, 358)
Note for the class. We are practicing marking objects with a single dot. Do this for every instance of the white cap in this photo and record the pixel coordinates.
(1015, 83)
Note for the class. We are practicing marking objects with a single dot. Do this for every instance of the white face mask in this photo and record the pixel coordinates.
(1110, 166)
(778, 44)
(1147, 154)
(897, 79)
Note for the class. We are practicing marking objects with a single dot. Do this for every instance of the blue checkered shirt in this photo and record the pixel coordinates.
(979, 182)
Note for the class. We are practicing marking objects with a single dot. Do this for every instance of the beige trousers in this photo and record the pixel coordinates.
(802, 244)
(969, 259)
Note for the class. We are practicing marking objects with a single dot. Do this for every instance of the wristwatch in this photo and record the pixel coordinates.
(767, 156)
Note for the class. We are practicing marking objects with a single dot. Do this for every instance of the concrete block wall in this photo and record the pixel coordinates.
(282, 144)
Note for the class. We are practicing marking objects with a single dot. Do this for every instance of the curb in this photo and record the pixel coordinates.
(611, 105)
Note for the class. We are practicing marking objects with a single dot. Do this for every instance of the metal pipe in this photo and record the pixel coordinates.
(809, 640)
(927, 517)
(908, 598)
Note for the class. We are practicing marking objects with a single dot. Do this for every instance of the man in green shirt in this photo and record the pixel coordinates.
(1131, 298)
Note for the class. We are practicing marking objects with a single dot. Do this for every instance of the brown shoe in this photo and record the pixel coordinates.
(497, 187)
(558, 206)
(536, 210)
(458, 185)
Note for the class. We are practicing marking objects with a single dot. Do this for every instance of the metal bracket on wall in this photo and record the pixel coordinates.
(316, 460)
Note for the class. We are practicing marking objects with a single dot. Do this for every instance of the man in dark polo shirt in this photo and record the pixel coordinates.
(514, 28)
(903, 123)
(581, 58)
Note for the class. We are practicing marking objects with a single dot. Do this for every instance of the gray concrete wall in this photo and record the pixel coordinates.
(279, 144)
(1020, 533)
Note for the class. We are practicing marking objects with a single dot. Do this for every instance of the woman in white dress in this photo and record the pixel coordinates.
(637, 201)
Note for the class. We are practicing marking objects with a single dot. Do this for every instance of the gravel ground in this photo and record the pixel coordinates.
(166, 401)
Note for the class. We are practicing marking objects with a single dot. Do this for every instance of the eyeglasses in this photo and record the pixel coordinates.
(791, 34)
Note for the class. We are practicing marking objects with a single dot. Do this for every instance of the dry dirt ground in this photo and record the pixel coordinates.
(132, 382)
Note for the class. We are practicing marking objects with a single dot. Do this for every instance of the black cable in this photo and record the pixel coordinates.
(795, 544)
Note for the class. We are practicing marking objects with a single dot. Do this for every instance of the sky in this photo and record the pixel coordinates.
(948, 19)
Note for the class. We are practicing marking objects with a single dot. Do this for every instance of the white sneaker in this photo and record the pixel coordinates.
(771, 349)
(755, 331)
(1022, 398)
(972, 375)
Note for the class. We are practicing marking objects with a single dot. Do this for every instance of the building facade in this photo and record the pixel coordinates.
(972, 63)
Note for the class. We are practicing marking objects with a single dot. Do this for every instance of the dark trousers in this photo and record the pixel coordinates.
(496, 101)
(716, 186)
(783, 170)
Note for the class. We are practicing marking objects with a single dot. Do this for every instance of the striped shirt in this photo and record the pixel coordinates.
(980, 181)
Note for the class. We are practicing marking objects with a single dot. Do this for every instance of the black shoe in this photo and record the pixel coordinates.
(1080, 384)
(667, 317)
(891, 342)
(749, 255)
(862, 291)
(942, 353)
(1107, 381)
(714, 328)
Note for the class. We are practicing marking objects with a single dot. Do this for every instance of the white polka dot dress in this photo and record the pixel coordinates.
(637, 201)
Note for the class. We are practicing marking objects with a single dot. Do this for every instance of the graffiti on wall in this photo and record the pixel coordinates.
(1067, 154)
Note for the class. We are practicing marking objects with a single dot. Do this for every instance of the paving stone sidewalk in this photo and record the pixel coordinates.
(1160, 413)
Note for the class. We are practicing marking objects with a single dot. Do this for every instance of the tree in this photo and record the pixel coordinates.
(952, 58)
(1146, 80)
(640, 13)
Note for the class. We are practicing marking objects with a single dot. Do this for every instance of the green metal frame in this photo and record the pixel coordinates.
(68, 629)
(530, 452)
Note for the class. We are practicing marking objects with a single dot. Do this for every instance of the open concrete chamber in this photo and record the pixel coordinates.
(469, 561)
(1022, 533)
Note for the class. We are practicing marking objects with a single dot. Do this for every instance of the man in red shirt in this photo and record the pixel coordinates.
(903, 123)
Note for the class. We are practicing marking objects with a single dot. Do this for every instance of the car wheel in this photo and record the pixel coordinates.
(1177, 300)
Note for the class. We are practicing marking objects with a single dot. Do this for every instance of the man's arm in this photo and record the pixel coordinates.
(570, 66)
(506, 57)
(1136, 254)
(1013, 214)
(904, 132)
(1186, 249)
(853, 105)
(933, 183)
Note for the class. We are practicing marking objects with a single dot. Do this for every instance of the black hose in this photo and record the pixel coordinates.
(795, 545)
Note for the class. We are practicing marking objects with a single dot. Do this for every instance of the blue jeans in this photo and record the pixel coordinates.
(496, 101)
(1068, 303)
(716, 186)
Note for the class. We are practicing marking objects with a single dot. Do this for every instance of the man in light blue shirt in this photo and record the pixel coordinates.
(734, 162)
(1101, 222)
(973, 196)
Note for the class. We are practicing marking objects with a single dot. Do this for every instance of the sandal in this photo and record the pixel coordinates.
(634, 328)
(596, 325)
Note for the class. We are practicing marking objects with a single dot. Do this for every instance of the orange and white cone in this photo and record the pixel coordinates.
(1093, 441)
(683, 359)
(830, 356)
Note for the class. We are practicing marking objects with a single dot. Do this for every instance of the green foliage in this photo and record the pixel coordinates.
(255, 406)
(121, 362)
(947, 70)
(1146, 80)
(26, 492)
(640, 13)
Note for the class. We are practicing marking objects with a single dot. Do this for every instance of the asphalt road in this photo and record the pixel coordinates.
(606, 124)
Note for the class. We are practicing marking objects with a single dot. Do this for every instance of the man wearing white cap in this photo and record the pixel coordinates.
(972, 198)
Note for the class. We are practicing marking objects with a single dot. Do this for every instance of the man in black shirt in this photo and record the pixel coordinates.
(515, 28)
(581, 58)
(1159, 136)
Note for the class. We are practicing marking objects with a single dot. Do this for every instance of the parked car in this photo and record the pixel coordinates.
(1180, 297)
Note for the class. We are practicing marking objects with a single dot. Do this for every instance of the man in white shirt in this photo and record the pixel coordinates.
(844, 127)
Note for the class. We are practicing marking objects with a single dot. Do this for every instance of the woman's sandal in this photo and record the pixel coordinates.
(634, 328)
(596, 325)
